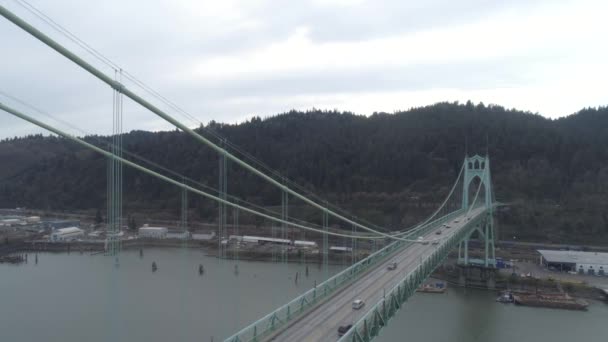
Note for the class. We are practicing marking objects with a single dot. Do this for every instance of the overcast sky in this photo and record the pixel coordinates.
(229, 60)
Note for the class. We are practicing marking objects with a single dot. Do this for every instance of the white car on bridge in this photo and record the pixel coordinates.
(422, 240)
(358, 304)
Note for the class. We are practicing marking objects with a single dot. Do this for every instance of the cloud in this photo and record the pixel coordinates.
(228, 60)
(503, 35)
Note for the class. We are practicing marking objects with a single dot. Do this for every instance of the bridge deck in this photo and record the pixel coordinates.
(321, 323)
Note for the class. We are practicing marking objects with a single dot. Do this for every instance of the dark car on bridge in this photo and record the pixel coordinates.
(343, 329)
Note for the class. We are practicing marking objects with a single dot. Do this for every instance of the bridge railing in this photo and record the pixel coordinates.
(368, 326)
(279, 317)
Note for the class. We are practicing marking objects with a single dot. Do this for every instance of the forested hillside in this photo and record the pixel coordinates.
(388, 168)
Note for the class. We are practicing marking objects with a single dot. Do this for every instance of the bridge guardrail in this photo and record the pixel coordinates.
(274, 320)
(368, 326)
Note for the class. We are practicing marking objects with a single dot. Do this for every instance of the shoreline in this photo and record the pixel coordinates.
(497, 282)
(209, 249)
(445, 272)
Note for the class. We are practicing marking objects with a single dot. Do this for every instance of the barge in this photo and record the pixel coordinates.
(554, 301)
(431, 289)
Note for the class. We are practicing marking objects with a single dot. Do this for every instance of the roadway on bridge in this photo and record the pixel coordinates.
(321, 323)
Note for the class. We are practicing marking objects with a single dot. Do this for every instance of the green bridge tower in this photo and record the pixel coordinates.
(478, 168)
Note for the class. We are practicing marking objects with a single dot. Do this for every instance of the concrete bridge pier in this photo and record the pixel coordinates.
(477, 276)
(462, 278)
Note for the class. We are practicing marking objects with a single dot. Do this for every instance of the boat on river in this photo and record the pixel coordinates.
(554, 301)
(431, 289)
(505, 297)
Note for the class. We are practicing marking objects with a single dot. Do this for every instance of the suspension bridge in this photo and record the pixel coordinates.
(315, 315)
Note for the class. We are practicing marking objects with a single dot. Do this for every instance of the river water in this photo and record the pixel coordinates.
(87, 298)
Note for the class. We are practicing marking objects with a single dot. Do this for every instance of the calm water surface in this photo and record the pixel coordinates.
(465, 315)
(86, 298)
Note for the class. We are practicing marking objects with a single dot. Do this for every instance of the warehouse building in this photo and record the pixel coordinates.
(9, 222)
(153, 232)
(593, 263)
(265, 240)
(179, 235)
(203, 236)
(236, 238)
(305, 244)
(340, 249)
(32, 219)
(66, 234)
(58, 224)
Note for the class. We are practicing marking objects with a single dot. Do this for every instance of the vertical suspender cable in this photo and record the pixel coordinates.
(284, 217)
(224, 193)
(235, 220)
(221, 206)
(119, 180)
(184, 216)
(353, 245)
(325, 245)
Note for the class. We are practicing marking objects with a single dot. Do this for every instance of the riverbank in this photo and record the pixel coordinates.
(263, 253)
(470, 277)
(494, 280)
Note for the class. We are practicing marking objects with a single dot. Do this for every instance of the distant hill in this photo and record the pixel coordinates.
(388, 168)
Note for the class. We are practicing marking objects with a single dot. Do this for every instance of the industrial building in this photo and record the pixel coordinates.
(66, 234)
(203, 237)
(305, 244)
(11, 222)
(179, 235)
(593, 263)
(236, 238)
(340, 249)
(32, 219)
(58, 224)
(265, 240)
(153, 232)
